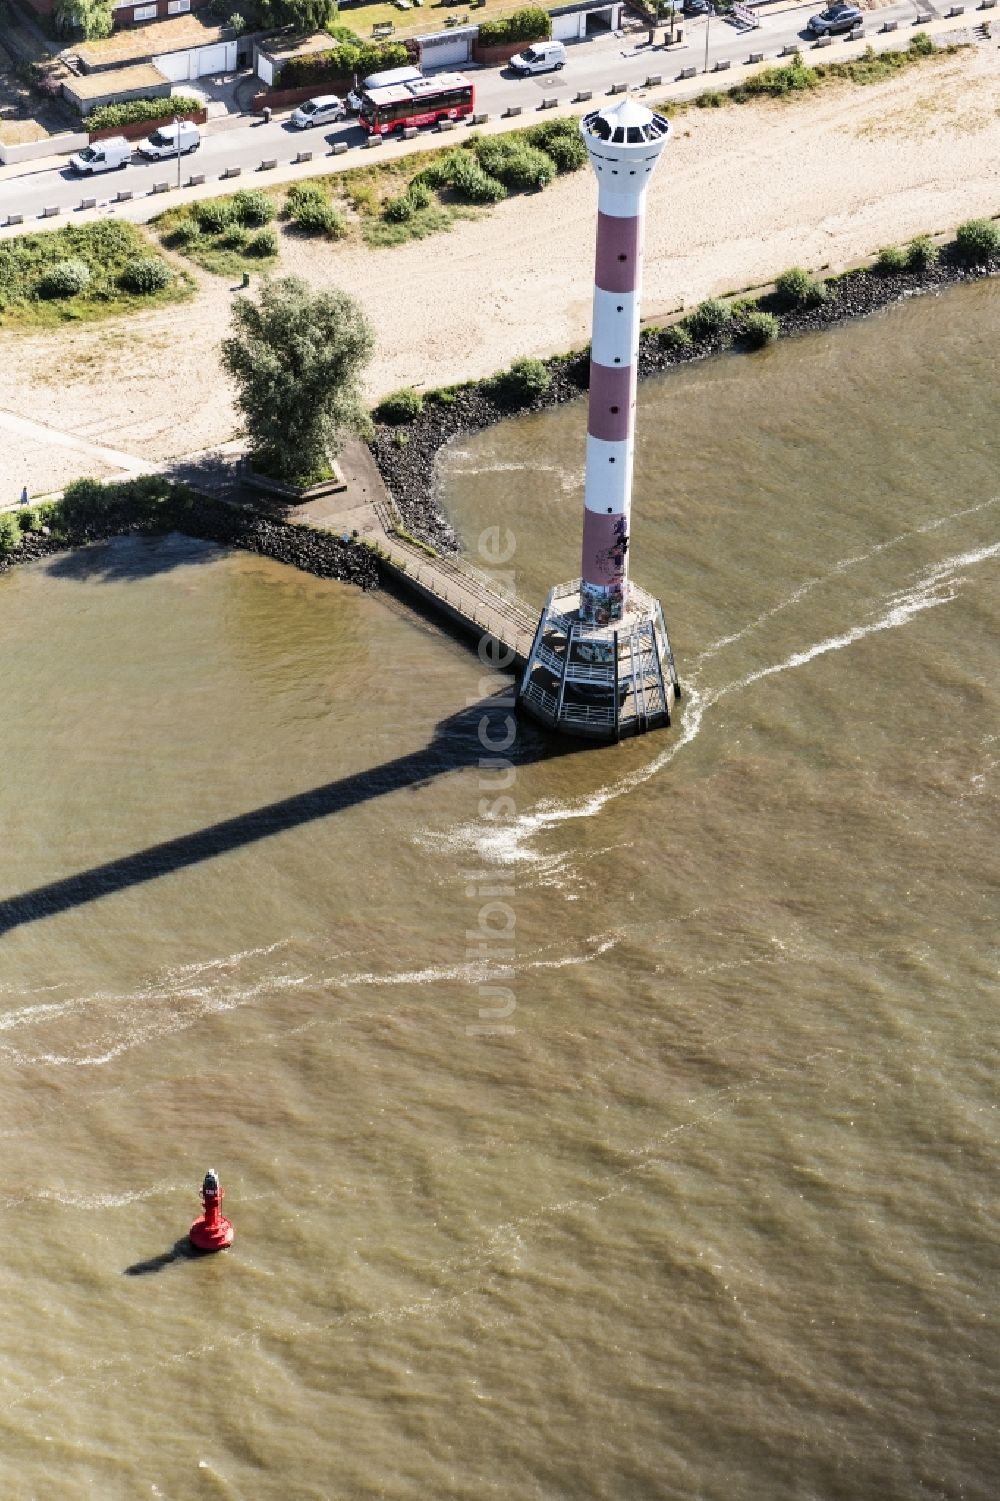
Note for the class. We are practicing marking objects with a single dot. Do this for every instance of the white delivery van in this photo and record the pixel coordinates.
(163, 142)
(540, 57)
(320, 111)
(387, 80)
(103, 156)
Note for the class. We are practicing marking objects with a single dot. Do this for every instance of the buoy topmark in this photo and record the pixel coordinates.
(211, 1231)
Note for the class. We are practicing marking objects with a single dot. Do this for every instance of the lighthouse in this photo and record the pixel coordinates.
(601, 664)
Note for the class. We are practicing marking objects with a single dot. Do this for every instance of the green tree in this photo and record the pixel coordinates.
(296, 357)
(91, 17)
(304, 15)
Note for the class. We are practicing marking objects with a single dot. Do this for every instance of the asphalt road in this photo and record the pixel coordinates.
(593, 64)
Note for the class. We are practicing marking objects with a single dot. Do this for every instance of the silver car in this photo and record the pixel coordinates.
(323, 110)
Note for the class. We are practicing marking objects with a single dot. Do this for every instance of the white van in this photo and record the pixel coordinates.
(386, 80)
(540, 57)
(103, 156)
(163, 142)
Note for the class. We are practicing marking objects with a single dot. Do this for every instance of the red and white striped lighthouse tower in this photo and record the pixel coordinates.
(601, 664)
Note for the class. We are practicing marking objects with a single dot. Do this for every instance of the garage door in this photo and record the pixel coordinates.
(445, 51)
(179, 67)
(218, 59)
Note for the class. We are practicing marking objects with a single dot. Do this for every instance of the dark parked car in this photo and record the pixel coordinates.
(840, 17)
(698, 8)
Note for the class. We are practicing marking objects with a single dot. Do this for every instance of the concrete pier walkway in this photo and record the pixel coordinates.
(453, 588)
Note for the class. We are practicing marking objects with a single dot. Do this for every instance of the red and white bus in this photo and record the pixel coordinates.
(422, 101)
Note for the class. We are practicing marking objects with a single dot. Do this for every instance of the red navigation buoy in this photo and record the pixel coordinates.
(211, 1231)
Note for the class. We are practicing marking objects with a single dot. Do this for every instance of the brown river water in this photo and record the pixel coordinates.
(639, 1141)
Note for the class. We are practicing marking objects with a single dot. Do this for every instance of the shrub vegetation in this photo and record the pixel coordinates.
(529, 24)
(524, 382)
(145, 274)
(64, 279)
(921, 253)
(757, 328)
(709, 319)
(797, 290)
(263, 244)
(977, 241)
(891, 258)
(107, 116)
(75, 272)
(399, 406)
(252, 207)
(10, 534)
(310, 210)
(341, 62)
(561, 140)
(515, 162)
(676, 337)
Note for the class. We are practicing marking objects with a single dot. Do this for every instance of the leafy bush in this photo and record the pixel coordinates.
(86, 500)
(110, 239)
(64, 279)
(133, 111)
(709, 318)
(10, 536)
(922, 45)
(517, 164)
(777, 83)
(419, 194)
(252, 207)
(27, 519)
(466, 178)
(234, 238)
(758, 328)
(213, 214)
(676, 337)
(523, 383)
(561, 140)
(711, 99)
(796, 289)
(921, 253)
(978, 240)
(145, 274)
(311, 211)
(263, 243)
(530, 24)
(399, 406)
(891, 258)
(342, 62)
(398, 210)
(184, 234)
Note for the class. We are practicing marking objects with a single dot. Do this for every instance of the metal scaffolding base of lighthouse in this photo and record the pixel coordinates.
(600, 682)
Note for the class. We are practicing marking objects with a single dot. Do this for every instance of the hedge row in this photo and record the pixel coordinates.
(135, 110)
(531, 24)
(342, 61)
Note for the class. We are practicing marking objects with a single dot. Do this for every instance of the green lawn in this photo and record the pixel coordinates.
(431, 16)
(105, 251)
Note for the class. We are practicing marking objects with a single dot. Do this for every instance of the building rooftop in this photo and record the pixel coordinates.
(139, 42)
(114, 81)
(280, 48)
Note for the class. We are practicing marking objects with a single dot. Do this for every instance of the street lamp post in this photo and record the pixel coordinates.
(708, 28)
(177, 128)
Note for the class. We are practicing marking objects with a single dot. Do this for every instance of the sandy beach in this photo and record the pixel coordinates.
(742, 193)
